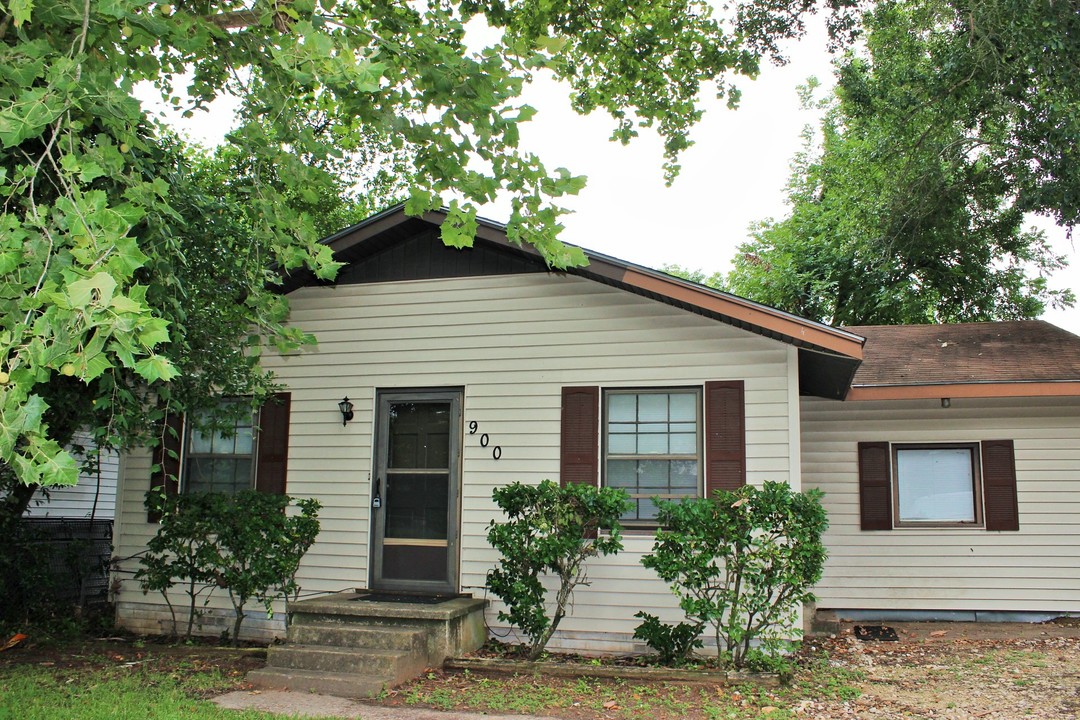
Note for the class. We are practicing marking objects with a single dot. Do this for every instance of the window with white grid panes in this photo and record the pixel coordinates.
(652, 447)
(221, 456)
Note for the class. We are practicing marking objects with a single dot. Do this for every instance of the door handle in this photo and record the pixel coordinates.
(376, 499)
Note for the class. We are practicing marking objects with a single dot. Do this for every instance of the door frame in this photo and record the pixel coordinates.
(383, 398)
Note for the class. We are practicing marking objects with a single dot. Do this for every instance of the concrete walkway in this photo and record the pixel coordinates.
(311, 705)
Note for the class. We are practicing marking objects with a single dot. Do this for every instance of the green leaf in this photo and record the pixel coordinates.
(122, 304)
(20, 10)
(99, 288)
(29, 116)
(153, 331)
(90, 171)
(155, 368)
(58, 467)
(93, 365)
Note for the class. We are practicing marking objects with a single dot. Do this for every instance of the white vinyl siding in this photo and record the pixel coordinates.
(95, 494)
(951, 568)
(512, 342)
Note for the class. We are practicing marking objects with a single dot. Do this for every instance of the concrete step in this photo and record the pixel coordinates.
(348, 685)
(351, 635)
(392, 665)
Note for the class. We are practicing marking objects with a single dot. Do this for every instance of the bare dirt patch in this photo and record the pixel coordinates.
(965, 671)
(948, 670)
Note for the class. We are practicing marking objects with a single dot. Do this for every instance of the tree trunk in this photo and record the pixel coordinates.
(14, 504)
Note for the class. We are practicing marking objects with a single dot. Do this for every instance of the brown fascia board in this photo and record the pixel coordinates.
(1064, 388)
(775, 323)
(804, 332)
(744, 312)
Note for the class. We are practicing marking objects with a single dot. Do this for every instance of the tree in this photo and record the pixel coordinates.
(715, 280)
(105, 232)
(957, 121)
(198, 283)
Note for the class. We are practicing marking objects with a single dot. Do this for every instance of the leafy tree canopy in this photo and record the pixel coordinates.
(956, 121)
(141, 269)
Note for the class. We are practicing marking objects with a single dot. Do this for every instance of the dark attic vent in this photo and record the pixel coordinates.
(878, 633)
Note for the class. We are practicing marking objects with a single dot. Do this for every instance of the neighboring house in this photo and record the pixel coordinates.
(94, 497)
(471, 369)
(71, 529)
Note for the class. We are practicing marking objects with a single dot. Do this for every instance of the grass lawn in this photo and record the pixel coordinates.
(133, 680)
(98, 681)
(934, 671)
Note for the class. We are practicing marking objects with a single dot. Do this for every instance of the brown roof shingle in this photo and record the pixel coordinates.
(989, 352)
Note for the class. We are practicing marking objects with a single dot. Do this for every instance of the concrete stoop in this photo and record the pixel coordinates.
(338, 645)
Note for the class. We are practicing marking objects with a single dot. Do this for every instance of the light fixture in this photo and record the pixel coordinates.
(946, 402)
(346, 411)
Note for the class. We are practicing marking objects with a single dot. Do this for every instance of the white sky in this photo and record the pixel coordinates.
(734, 174)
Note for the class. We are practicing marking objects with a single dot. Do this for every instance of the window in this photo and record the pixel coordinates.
(224, 461)
(961, 485)
(221, 452)
(652, 446)
(937, 484)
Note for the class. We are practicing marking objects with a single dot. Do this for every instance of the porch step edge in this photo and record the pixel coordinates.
(359, 635)
(349, 685)
(396, 665)
(345, 604)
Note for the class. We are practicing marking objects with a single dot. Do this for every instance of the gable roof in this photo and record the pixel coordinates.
(828, 356)
(990, 359)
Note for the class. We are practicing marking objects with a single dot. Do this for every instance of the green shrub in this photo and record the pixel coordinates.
(673, 643)
(245, 543)
(764, 662)
(182, 551)
(549, 529)
(742, 562)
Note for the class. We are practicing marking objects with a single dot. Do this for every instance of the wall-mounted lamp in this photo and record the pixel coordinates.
(346, 411)
(946, 402)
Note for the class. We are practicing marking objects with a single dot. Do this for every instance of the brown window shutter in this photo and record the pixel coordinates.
(166, 475)
(875, 490)
(725, 436)
(999, 485)
(273, 445)
(578, 453)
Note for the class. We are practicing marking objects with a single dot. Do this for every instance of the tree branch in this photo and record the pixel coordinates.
(234, 20)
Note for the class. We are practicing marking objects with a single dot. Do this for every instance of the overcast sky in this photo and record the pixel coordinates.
(735, 173)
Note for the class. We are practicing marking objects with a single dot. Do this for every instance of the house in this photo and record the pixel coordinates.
(470, 369)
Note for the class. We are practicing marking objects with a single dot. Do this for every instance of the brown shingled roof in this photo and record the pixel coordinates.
(1022, 351)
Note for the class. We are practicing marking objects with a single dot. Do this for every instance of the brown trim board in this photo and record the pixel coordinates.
(965, 390)
(820, 336)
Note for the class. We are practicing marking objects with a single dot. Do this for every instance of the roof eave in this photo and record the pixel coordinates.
(828, 356)
(1035, 388)
(740, 311)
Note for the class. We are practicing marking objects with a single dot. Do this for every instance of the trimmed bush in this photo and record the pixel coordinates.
(742, 562)
(549, 529)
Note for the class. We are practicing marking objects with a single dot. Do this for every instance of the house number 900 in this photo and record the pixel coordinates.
(496, 452)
